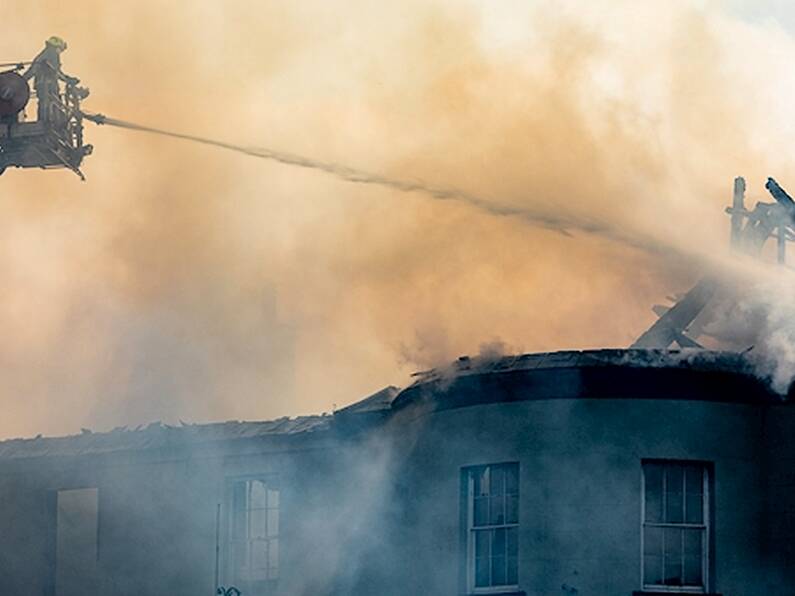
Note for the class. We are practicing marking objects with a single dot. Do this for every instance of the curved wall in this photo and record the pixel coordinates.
(580, 487)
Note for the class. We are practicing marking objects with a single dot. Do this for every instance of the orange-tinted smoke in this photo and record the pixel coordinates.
(184, 282)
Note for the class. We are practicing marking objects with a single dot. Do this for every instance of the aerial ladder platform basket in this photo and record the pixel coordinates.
(55, 138)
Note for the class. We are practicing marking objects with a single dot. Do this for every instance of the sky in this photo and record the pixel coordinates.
(182, 282)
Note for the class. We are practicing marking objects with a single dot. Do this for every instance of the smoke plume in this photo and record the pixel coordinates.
(185, 282)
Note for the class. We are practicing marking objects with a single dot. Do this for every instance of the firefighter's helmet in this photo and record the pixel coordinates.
(57, 43)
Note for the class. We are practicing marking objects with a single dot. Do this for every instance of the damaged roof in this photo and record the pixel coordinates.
(377, 402)
(158, 435)
(688, 374)
(646, 358)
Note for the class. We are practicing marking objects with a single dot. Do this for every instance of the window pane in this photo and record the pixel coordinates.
(481, 511)
(482, 544)
(692, 542)
(674, 478)
(497, 515)
(512, 509)
(482, 571)
(273, 498)
(497, 484)
(652, 569)
(273, 558)
(273, 523)
(652, 541)
(653, 482)
(694, 479)
(672, 545)
(512, 543)
(258, 495)
(694, 499)
(513, 571)
(693, 576)
(674, 494)
(259, 554)
(512, 479)
(498, 571)
(654, 507)
(481, 481)
(257, 523)
(693, 552)
(498, 543)
(694, 513)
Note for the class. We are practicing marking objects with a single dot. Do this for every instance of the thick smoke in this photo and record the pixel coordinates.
(758, 318)
(776, 340)
(182, 281)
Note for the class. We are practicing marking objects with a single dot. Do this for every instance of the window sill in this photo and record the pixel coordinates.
(678, 593)
(508, 592)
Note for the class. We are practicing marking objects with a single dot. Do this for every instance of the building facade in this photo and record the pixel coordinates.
(602, 473)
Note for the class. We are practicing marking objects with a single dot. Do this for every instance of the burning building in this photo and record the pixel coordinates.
(610, 472)
(645, 471)
(604, 473)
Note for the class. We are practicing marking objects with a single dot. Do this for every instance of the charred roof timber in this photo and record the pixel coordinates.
(766, 220)
(750, 230)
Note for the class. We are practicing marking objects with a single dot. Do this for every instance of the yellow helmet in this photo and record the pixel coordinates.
(56, 42)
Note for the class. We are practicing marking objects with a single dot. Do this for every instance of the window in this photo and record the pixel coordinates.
(492, 527)
(76, 535)
(254, 534)
(675, 534)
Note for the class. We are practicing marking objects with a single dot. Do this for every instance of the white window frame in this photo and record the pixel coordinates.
(471, 530)
(234, 572)
(704, 526)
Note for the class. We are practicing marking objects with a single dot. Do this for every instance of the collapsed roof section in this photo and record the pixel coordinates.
(750, 231)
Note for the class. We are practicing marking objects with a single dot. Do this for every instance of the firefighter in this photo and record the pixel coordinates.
(46, 72)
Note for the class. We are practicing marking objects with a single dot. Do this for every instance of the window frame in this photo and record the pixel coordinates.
(705, 526)
(471, 529)
(54, 552)
(232, 571)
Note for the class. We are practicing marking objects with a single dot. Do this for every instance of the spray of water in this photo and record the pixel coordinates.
(564, 223)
